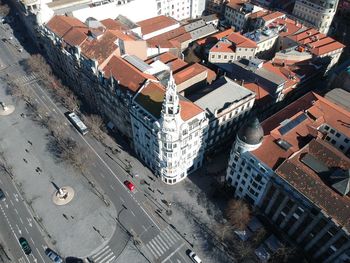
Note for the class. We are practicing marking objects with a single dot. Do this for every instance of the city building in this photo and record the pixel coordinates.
(316, 13)
(215, 7)
(265, 75)
(226, 104)
(232, 47)
(294, 168)
(169, 131)
(157, 25)
(266, 40)
(177, 40)
(237, 13)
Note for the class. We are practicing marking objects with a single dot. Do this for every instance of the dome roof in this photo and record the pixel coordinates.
(251, 132)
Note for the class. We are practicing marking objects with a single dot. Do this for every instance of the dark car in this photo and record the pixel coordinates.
(53, 255)
(25, 246)
(74, 260)
(2, 195)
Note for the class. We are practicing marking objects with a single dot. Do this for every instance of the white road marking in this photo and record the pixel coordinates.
(40, 254)
(132, 213)
(16, 211)
(26, 230)
(31, 239)
(94, 151)
(174, 252)
(20, 219)
(19, 230)
(11, 202)
(121, 199)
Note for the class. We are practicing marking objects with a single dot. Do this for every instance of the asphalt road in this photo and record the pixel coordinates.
(158, 241)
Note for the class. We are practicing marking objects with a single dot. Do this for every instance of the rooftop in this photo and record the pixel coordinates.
(129, 77)
(263, 76)
(340, 97)
(220, 94)
(213, 38)
(156, 23)
(316, 185)
(241, 41)
(297, 124)
(151, 99)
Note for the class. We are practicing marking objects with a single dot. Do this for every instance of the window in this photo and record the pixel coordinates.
(341, 147)
(346, 140)
(219, 56)
(225, 57)
(337, 135)
(332, 141)
(332, 131)
(212, 56)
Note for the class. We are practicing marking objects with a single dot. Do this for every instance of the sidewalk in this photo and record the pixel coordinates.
(196, 207)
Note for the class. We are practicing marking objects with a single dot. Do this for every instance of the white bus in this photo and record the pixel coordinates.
(74, 119)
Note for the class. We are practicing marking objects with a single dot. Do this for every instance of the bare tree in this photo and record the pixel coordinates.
(18, 91)
(37, 64)
(259, 236)
(56, 128)
(238, 214)
(282, 254)
(4, 166)
(4, 9)
(95, 123)
(243, 250)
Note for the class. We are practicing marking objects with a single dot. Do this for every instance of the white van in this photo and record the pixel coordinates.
(194, 257)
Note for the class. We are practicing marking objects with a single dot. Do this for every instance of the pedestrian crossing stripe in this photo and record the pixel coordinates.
(163, 242)
(26, 78)
(105, 255)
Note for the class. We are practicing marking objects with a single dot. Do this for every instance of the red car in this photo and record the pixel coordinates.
(129, 185)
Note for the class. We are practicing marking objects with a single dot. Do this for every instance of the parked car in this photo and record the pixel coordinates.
(25, 246)
(2, 195)
(129, 185)
(74, 260)
(53, 255)
(193, 256)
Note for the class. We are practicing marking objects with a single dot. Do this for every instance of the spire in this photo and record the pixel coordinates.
(171, 101)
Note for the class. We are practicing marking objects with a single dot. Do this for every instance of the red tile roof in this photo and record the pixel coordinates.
(128, 76)
(163, 40)
(223, 47)
(156, 23)
(322, 110)
(214, 37)
(188, 72)
(60, 25)
(309, 183)
(151, 98)
(113, 25)
(241, 41)
(273, 15)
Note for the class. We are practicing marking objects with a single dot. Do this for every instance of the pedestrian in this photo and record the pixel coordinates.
(65, 216)
(30, 142)
(22, 115)
(27, 150)
(25, 160)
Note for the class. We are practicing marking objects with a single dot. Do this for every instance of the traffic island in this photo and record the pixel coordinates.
(63, 195)
(6, 109)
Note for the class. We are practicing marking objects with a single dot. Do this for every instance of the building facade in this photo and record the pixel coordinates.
(169, 131)
(227, 104)
(295, 169)
(316, 13)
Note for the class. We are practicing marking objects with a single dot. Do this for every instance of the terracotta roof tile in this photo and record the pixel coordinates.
(128, 76)
(322, 110)
(214, 37)
(156, 23)
(60, 25)
(151, 99)
(163, 40)
(189, 72)
(113, 24)
(223, 47)
(273, 15)
(241, 41)
(309, 183)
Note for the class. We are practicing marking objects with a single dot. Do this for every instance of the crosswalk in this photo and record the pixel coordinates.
(105, 255)
(163, 242)
(26, 79)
